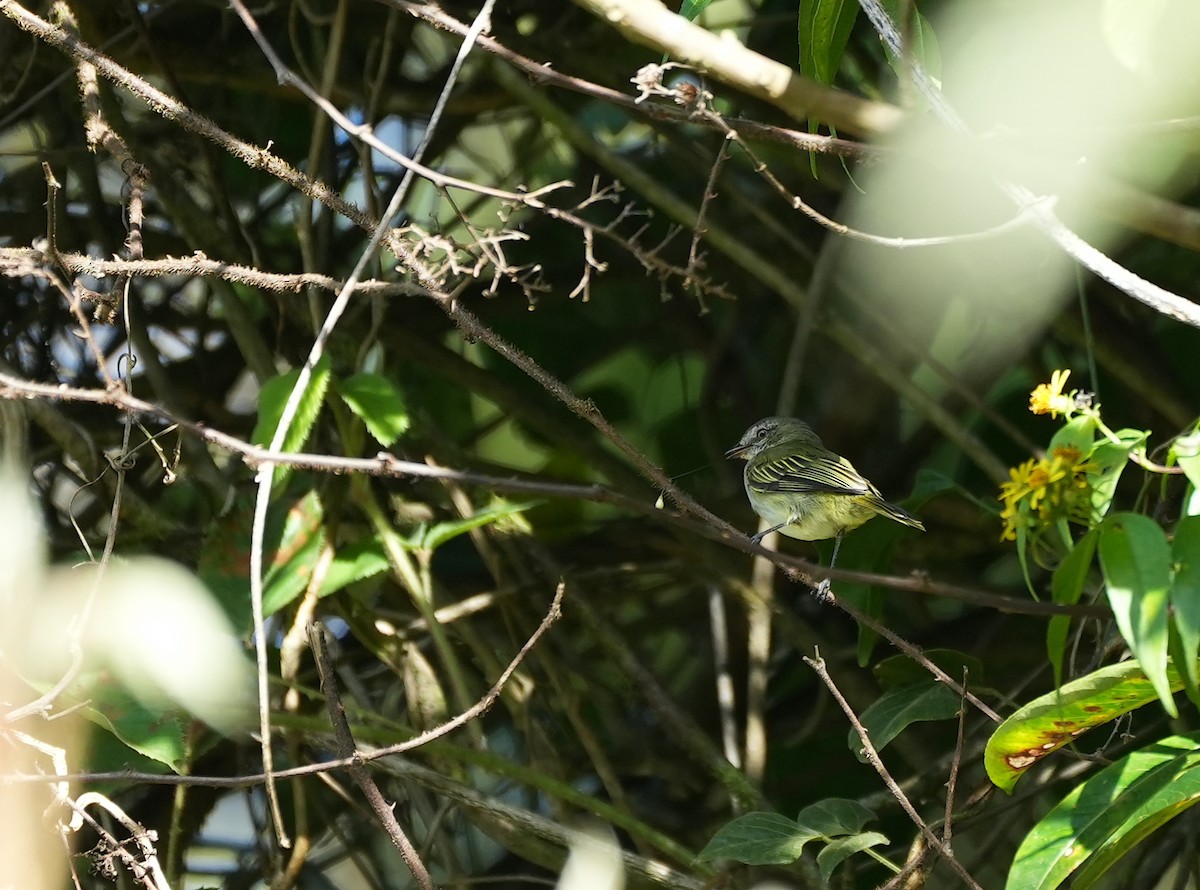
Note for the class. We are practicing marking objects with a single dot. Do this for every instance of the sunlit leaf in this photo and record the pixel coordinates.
(437, 535)
(922, 42)
(1109, 460)
(153, 732)
(1077, 433)
(273, 397)
(294, 536)
(378, 403)
(824, 28)
(691, 9)
(1185, 600)
(1136, 560)
(1105, 817)
(354, 562)
(1186, 451)
(1047, 723)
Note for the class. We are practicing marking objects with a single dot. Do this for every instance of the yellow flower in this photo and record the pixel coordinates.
(1049, 398)
(1041, 492)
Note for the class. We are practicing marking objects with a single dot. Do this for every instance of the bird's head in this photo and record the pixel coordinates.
(772, 431)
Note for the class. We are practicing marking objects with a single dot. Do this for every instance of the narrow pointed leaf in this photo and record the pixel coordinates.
(824, 28)
(1104, 817)
(1185, 600)
(1136, 559)
(1041, 727)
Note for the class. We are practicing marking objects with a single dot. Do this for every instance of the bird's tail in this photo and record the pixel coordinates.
(891, 511)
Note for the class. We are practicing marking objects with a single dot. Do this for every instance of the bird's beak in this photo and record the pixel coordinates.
(738, 450)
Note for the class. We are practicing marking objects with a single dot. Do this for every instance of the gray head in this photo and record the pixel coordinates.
(772, 431)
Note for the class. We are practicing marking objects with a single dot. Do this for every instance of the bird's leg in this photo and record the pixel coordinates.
(755, 539)
(822, 590)
(837, 545)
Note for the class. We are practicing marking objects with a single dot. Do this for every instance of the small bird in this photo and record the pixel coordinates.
(805, 490)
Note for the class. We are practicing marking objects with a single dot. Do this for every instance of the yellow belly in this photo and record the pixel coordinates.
(811, 517)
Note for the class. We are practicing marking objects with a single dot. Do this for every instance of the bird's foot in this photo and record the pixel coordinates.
(823, 592)
(757, 539)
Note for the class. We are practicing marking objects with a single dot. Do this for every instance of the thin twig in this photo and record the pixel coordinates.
(710, 193)
(955, 762)
(914, 652)
(1023, 218)
(267, 472)
(818, 665)
(650, 23)
(146, 868)
(388, 465)
(363, 755)
(363, 132)
(544, 73)
(384, 811)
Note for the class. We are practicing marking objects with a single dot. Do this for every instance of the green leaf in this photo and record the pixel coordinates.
(1185, 601)
(299, 549)
(1164, 794)
(834, 816)
(437, 535)
(274, 396)
(824, 28)
(1072, 572)
(1186, 451)
(106, 753)
(897, 709)
(294, 537)
(1057, 631)
(691, 9)
(1023, 558)
(1136, 560)
(771, 839)
(1106, 816)
(758, 839)
(152, 732)
(1109, 460)
(837, 851)
(1078, 433)
(378, 403)
(923, 43)
(354, 562)
(900, 670)
(1183, 663)
(1066, 588)
(1047, 723)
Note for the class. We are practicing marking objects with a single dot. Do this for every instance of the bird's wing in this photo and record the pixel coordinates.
(826, 475)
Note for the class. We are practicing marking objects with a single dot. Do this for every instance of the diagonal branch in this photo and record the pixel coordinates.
(650, 23)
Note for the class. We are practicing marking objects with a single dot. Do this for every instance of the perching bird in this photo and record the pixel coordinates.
(805, 490)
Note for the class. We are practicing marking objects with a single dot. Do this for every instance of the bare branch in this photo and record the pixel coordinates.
(650, 23)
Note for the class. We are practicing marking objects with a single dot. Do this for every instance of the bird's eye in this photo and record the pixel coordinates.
(761, 433)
